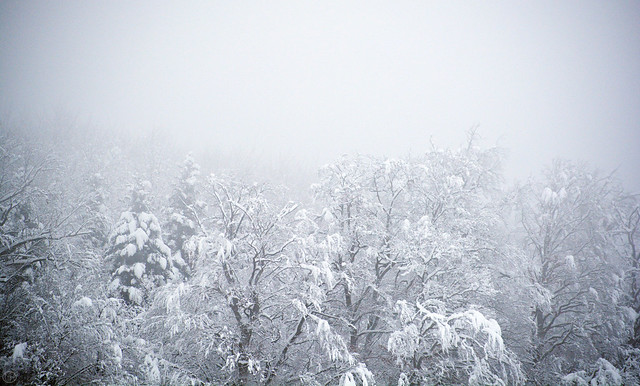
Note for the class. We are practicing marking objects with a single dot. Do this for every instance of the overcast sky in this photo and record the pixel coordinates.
(314, 79)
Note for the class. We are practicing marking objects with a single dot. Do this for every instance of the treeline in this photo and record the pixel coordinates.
(119, 266)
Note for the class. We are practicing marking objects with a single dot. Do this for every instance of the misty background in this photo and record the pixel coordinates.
(300, 83)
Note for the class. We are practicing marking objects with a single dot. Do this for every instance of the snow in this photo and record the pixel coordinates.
(18, 351)
(117, 353)
(562, 194)
(138, 270)
(542, 296)
(164, 249)
(135, 295)
(607, 374)
(114, 284)
(129, 250)
(576, 378)
(404, 344)
(453, 331)
(404, 311)
(323, 327)
(132, 225)
(83, 302)
(153, 372)
(594, 293)
(177, 258)
(447, 337)
(328, 217)
(328, 273)
(253, 365)
(631, 313)
(109, 314)
(145, 217)
(122, 228)
(403, 380)
(347, 380)
(455, 182)
(173, 298)
(364, 374)
(141, 238)
(225, 249)
(300, 307)
(178, 218)
(126, 217)
(571, 261)
(548, 196)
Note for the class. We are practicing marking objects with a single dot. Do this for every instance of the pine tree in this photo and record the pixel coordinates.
(142, 260)
(183, 212)
(98, 212)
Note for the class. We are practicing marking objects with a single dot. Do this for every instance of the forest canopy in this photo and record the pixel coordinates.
(125, 261)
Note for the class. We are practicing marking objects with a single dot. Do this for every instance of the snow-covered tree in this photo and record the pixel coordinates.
(25, 226)
(575, 270)
(452, 231)
(50, 331)
(414, 270)
(628, 214)
(462, 348)
(34, 212)
(247, 313)
(184, 211)
(417, 230)
(141, 259)
(603, 373)
(98, 213)
(627, 218)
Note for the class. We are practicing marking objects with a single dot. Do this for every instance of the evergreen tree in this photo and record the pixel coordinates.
(98, 227)
(183, 212)
(141, 259)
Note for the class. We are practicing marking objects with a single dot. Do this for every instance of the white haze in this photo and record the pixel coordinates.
(304, 82)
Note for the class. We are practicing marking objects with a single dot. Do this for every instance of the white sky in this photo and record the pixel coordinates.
(311, 80)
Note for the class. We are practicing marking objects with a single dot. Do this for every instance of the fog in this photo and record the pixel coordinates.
(304, 82)
(338, 193)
